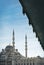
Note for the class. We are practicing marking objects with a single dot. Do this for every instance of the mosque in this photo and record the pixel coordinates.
(11, 56)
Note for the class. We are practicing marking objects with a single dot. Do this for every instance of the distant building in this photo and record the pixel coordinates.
(11, 56)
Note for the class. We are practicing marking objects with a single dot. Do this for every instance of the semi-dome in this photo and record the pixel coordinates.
(8, 48)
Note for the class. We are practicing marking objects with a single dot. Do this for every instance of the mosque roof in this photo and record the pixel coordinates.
(8, 47)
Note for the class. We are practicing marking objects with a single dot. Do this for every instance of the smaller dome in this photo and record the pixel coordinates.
(38, 57)
(8, 48)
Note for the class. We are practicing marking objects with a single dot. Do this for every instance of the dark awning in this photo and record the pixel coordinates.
(34, 10)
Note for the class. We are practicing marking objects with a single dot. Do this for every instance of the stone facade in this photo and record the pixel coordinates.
(11, 56)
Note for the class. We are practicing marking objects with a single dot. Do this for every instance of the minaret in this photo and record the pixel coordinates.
(13, 40)
(25, 45)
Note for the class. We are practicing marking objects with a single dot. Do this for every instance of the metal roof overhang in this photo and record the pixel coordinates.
(34, 10)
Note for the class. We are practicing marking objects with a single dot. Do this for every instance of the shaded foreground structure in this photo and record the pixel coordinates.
(11, 56)
(34, 10)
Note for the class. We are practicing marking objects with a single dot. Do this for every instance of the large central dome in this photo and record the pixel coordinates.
(8, 48)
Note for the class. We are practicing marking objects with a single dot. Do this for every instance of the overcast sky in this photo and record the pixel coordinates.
(11, 17)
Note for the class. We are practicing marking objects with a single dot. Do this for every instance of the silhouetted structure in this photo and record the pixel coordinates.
(11, 56)
(34, 10)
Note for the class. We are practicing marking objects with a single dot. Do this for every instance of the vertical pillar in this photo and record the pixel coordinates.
(13, 41)
(25, 45)
(13, 62)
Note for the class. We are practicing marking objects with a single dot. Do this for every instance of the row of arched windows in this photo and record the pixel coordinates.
(24, 64)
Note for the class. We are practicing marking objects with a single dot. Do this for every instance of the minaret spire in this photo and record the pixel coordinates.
(13, 40)
(25, 45)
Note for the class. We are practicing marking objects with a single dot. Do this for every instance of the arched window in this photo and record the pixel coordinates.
(21, 63)
(24, 63)
(18, 63)
(33, 63)
(27, 63)
(30, 63)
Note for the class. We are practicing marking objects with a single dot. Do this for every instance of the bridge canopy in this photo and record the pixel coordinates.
(34, 10)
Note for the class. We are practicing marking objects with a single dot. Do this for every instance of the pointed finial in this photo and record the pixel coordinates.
(25, 38)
